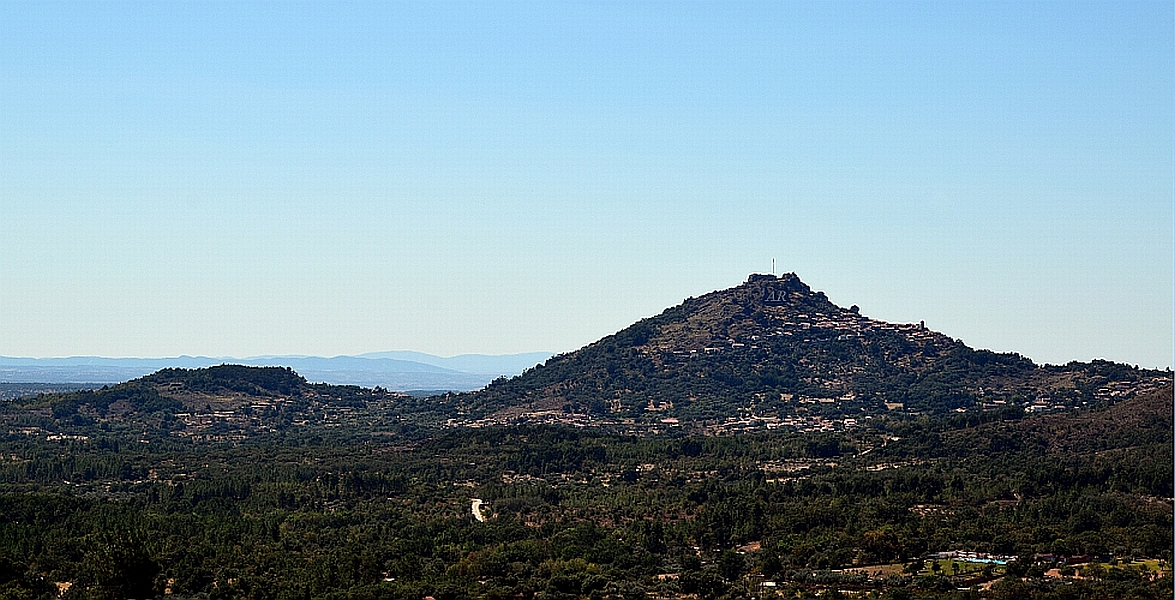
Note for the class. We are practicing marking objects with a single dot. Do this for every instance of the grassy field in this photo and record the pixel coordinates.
(1149, 565)
(947, 566)
(878, 571)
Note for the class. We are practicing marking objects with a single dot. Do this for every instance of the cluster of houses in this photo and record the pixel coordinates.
(809, 328)
(1126, 389)
(972, 557)
(728, 426)
(227, 422)
(802, 423)
(848, 324)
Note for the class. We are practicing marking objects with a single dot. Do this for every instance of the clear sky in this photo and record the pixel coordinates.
(231, 178)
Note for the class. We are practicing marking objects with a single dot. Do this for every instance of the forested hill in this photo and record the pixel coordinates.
(1141, 425)
(221, 403)
(773, 352)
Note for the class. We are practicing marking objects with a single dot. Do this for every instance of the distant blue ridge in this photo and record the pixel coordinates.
(397, 370)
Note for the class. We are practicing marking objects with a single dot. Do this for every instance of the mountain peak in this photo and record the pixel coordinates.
(778, 290)
(772, 350)
(754, 309)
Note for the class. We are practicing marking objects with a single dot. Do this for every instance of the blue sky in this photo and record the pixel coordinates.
(319, 178)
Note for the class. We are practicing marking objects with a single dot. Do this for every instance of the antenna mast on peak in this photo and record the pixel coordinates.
(773, 266)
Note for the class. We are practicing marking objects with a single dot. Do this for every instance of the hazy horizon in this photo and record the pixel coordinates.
(394, 370)
(259, 179)
(217, 356)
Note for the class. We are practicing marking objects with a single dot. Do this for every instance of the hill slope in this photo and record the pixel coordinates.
(773, 352)
(221, 403)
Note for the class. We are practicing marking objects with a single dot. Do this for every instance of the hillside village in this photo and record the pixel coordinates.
(773, 354)
(746, 420)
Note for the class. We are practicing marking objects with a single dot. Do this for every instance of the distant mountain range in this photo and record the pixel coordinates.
(396, 370)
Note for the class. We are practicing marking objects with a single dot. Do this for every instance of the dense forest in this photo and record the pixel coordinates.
(1069, 505)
